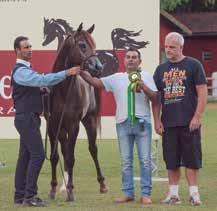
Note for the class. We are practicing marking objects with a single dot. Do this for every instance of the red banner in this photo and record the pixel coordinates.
(42, 62)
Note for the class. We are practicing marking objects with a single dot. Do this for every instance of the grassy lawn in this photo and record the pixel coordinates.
(87, 193)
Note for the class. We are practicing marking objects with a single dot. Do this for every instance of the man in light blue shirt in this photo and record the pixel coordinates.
(128, 132)
(26, 76)
(26, 93)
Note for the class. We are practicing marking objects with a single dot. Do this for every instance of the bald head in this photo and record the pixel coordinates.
(174, 46)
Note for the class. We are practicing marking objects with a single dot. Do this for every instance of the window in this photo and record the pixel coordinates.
(207, 56)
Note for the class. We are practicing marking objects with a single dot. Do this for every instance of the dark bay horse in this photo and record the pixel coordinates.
(72, 101)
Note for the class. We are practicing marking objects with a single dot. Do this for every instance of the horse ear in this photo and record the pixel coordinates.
(80, 28)
(90, 30)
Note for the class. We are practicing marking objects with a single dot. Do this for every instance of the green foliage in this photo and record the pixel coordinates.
(208, 3)
(171, 5)
(188, 5)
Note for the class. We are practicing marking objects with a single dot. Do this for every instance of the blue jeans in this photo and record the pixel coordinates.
(140, 133)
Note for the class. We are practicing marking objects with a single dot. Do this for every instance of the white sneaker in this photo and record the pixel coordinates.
(171, 199)
(194, 199)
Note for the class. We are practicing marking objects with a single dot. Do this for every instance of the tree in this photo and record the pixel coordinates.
(171, 5)
(188, 5)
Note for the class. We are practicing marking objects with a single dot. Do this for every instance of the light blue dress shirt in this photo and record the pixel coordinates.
(27, 77)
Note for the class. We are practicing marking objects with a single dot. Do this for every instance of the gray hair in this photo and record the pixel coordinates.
(176, 36)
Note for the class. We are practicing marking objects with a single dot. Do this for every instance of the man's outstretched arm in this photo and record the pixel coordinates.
(96, 82)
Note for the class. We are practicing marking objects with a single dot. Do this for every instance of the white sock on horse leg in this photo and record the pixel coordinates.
(64, 183)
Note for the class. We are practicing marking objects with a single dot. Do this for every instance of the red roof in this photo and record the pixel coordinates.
(199, 23)
(175, 22)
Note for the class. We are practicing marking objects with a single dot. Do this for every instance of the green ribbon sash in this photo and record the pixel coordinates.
(133, 78)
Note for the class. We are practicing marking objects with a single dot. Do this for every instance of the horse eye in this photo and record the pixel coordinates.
(82, 46)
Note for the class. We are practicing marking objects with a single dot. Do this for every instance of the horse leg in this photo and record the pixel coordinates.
(63, 138)
(89, 123)
(54, 157)
(70, 158)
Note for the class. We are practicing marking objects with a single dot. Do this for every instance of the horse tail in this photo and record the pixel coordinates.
(98, 106)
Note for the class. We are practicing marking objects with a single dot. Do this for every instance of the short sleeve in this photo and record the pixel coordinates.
(157, 79)
(108, 82)
(199, 74)
(149, 81)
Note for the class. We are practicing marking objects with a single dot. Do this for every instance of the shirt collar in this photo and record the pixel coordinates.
(21, 61)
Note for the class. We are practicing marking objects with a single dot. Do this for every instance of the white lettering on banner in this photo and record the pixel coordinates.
(1, 110)
(4, 85)
(9, 111)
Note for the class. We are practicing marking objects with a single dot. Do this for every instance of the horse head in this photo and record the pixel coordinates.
(124, 39)
(79, 49)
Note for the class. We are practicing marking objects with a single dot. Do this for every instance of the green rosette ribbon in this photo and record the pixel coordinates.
(133, 78)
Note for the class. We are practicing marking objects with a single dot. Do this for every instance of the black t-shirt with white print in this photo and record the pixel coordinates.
(177, 84)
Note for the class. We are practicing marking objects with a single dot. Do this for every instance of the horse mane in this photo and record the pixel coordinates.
(63, 51)
(62, 55)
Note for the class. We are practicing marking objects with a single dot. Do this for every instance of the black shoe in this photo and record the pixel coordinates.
(34, 202)
(18, 201)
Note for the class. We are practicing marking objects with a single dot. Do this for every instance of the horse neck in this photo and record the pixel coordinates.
(60, 62)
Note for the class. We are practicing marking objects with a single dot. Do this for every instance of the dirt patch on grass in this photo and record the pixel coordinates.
(211, 106)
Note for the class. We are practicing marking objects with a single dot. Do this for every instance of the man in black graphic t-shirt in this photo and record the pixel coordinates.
(181, 83)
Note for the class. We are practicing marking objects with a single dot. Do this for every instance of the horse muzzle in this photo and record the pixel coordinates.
(94, 66)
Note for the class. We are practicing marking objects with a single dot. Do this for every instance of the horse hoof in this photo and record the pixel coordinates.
(52, 196)
(70, 198)
(104, 189)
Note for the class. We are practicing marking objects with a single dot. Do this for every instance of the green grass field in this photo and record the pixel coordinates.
(86, 186)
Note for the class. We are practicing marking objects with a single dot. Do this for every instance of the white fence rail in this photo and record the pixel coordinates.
(212, 87)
